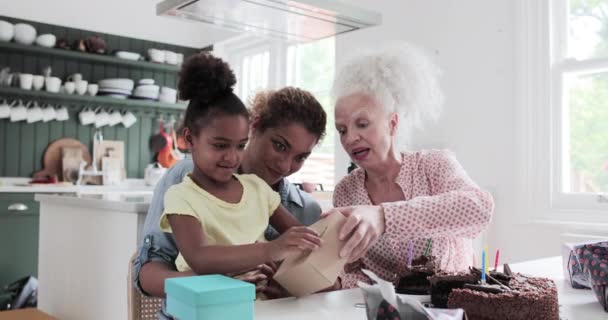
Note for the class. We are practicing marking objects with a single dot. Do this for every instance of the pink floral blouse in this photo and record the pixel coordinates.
(442, 203)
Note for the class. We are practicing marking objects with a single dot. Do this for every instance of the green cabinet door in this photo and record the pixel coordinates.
(18, 237)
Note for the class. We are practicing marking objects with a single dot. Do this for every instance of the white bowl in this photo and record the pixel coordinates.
(156, 55)
(167, 98)
(128, 55)
(167, 90)
(146, 81)
(7, 31)
(117, 83)
(147, 88)
(46, 40)
(25, 33)
(170, 57)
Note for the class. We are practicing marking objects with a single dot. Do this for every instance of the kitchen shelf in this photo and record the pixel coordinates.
(77, 55)
(5, 92)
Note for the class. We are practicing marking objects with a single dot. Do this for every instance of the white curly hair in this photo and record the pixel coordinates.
(402, 77)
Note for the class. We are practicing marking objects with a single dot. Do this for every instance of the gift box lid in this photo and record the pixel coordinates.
(209, 290)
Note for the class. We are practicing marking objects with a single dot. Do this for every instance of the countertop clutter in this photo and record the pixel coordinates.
(22, 185)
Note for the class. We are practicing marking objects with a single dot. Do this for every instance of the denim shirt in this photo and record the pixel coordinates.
(160, 246)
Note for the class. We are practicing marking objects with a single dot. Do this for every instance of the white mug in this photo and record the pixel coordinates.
(69, 87)
(86, 117)
(102, 118)
(92, 89)
(128, 119)
(53, 84)
(25, 81)
(76, 77)
(5, 109)
(38, 82)
(115, 118)
(81, 87)
(18, 112)
(34, 113)
(48, 114)
(62, 114)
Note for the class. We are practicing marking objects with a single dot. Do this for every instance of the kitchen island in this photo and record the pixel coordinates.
(85, 243)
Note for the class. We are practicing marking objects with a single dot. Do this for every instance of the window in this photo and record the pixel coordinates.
(311, 67)
(270, 64)
(579, 91)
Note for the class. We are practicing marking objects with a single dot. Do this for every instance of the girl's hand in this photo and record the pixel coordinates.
(295, 239)
(257, 276)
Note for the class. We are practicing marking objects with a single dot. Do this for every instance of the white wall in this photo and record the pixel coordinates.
(475, 43)
(130, 18)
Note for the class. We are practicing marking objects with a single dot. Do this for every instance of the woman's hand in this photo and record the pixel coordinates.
(363, 226)
(294, 239)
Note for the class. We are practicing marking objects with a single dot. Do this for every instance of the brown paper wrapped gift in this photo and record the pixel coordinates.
(311, 271)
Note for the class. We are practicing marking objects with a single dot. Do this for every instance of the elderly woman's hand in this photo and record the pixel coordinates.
(363, 227)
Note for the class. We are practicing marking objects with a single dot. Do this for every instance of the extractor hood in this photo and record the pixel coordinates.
(301, 20)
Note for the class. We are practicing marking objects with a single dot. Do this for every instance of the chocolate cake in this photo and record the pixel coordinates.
(442, 285)
(504, 296)
(415, 281)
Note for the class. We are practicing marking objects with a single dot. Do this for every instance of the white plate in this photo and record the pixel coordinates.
(146, 81)
(128, 55)
(145, 96)
(117, 83)
(113, 95)
(114, 91)
(423, 298)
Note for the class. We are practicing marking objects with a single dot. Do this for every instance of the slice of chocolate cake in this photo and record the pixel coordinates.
(415, 281)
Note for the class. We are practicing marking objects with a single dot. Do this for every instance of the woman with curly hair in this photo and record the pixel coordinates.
(285, 125)
(397, 196)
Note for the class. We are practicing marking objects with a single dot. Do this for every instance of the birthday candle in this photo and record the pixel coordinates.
(496, 259)
(411, 253)
(483, 266)
(428, 247)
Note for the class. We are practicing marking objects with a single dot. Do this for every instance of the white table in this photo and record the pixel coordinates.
(575, 304)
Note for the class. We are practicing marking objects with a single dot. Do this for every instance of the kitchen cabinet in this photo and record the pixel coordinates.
(19, 214)
(22, 145)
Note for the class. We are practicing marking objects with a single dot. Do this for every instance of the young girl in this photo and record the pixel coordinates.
(215, 215)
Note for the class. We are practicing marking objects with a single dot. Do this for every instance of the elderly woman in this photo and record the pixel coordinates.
(396, 196)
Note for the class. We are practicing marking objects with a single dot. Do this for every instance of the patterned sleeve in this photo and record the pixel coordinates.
(457, 207)
(175, 203)
(340, 195)
(352, 274)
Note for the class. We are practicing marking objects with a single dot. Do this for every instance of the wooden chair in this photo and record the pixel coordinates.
(141, 307)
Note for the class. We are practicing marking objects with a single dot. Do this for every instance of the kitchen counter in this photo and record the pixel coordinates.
(112, 201)
(20, 185)
(85, 245)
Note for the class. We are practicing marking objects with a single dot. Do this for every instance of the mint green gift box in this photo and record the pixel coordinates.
(209, 297)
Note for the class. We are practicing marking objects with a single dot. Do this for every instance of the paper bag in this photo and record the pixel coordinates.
(382, 303)
(308, 272)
